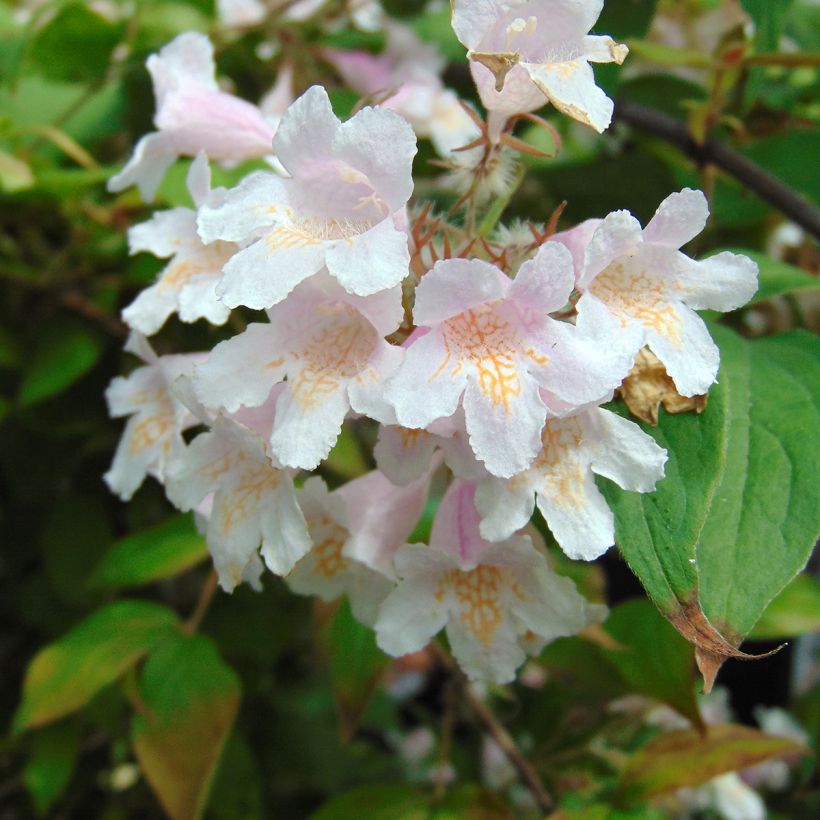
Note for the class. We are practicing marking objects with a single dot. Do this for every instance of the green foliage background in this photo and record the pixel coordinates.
(270, 705)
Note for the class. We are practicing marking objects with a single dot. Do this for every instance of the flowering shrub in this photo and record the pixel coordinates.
(474, 365)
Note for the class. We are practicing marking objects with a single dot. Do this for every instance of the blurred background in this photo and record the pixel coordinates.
(322, 712)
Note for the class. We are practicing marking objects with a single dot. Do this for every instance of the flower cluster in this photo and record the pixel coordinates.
(483, 359)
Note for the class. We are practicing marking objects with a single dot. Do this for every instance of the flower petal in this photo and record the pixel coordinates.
(617, 235)
(456, 285)
(679, 219)
(505, 506)
(153, 156)
(372, 261)
(543, 284)
(570, 87)
(723, 282)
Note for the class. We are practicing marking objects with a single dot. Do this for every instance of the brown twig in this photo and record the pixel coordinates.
(206, 595)
(526, 771)
(714, 152)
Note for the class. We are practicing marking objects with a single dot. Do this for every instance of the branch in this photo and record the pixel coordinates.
(526, 772)
(712, 152)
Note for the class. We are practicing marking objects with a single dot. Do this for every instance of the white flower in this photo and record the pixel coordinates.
(330, 347)
(348, 185)
(495, 600)
(643, 280)
(187, 285)
(524, 53)
(152, 439)
(561, 479)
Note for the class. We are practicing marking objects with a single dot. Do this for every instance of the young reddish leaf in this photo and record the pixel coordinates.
(188, 700)
(686, 758)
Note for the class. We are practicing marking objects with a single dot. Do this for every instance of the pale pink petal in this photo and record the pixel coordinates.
(472, 19)
(619, 234)
(149, 311)
(456, 285)
(265, 273)
(456, 526)
(165, 233)
(413, 613)
(381, 144)
(375, 260)
(604, 50)
(381, 517)
(187, 60)
(679, 219)
(687, 351)
(285, 538)
(504, 427)
(577, 240)
(276, 101)
(198, 300)
(366, 389)
(153, 156)
(570, 87)
(198, 179)
(578, 516)
(505, 506)
(192, 478)
(403, 455)
(242, 370)
(257, 202)
(307, 426)
(429, 384)
(306, 132)
(384, 310)
(723, 282)
(495, 661)
(544, 283)
(623, 452)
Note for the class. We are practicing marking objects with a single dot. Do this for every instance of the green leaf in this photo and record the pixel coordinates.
(64, 676)
(65, 351)
(188, 701)
(777, 278)
(51, 763)
(626, 18)
(655, 660)
(15, 175)
(160, 552)
(735, 518)
(769, 17)
(355, 666)
(687, 758)
(471, 802)
(397, 802)
(796, 611)
(76, 44)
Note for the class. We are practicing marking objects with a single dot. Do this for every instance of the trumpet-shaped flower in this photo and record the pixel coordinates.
(187, 284)
(643, 280)
(192, 115)
(356, 531)
(561, 479)
(492, 347)
(336, 209)
(152, 439)
(330, 347)
(524, 53)
(253, 501)
(491, 598)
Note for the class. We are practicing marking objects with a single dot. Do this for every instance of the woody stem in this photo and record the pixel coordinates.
(526, 771)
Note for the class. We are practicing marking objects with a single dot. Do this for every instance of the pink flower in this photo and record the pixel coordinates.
(152, 439)
(187, 285)
(356, 531)
(330, 347)
(561, 479)
(493, 599)
(524, 53)
(407, 77)
(643, 280)
(192, 115)
(348, 184)
(492, 347)
(252, 499)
